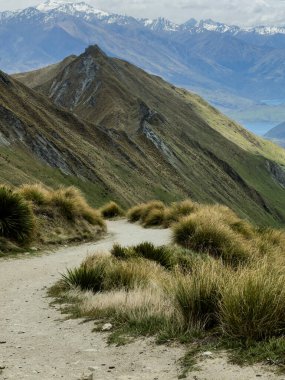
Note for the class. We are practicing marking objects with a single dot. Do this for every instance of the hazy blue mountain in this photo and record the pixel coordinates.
(277, 134)
(232, 67)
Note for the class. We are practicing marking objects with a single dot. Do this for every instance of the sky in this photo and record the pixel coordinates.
(238, 12)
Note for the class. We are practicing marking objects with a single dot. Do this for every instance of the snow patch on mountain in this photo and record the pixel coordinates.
(70, 8)
(266, 30)
(49, 5)
(80, 9)
(161, 24)
(5, 15)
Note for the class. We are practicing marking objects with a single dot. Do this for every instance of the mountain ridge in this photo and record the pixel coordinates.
(170, 143)
(158, 24)
(233, 70)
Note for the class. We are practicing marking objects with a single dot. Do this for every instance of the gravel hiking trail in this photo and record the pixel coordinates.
(38, 343)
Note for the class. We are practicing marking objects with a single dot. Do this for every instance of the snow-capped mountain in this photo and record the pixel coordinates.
(266, 30)
(71, 8)
(81, 9)
(227, 64)
(161, 24)
(213, 26)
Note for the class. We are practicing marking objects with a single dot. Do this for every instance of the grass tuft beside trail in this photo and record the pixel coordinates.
(34, 214)
(111, 210)
(219, 285)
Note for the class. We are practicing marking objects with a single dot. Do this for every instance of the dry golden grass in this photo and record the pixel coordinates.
(230, 285)
(36, 193)
(61, 215)
(197, 295)
(155, 213)
(211, 232)
(142, 211)
(178, 210)
(139, 304)
(155, 217)
(111, 210)
(252, 305)
(210, 294)
(72, 205)
(218, 231)
(132, 290)
(134, 213)
(135, 272)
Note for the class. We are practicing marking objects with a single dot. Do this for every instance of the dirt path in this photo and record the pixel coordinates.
(36, 344)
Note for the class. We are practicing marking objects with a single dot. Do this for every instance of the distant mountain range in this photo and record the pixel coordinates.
(277, 134)
(89, 13)
(234, 68)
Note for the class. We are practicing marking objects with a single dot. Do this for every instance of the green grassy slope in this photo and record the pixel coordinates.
(155, 140)
(18, 166)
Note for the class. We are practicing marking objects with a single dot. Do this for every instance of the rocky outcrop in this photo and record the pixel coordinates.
(63, 92)
(150, 116)
(13, 128)
(277, 172)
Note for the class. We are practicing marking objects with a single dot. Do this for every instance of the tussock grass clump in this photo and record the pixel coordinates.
(246, 304)
(252, 304)
(150, 206)
(128, 275)
(72, 205)
(111, 210)
(208, 236)
(178, 210)
(155, 213)
(219, 232)
(142, 211)
(69, 201)
(105, 273)
(68, 206)
(134, 213)
(36, 193)
(93, 217)
(17, 222)
(197, 296)
(121, 252)
(48, 216)
(167, 257)
(184, 208)
(154, 217)
(67, 217)
(87, 277)
(162, 255)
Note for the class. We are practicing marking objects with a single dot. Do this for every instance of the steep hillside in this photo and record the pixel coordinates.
(39, 142)
(172, 142)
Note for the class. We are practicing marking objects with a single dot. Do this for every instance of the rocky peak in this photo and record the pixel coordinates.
(95, 51)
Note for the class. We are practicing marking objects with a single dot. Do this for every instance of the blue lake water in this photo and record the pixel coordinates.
(260, 128)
